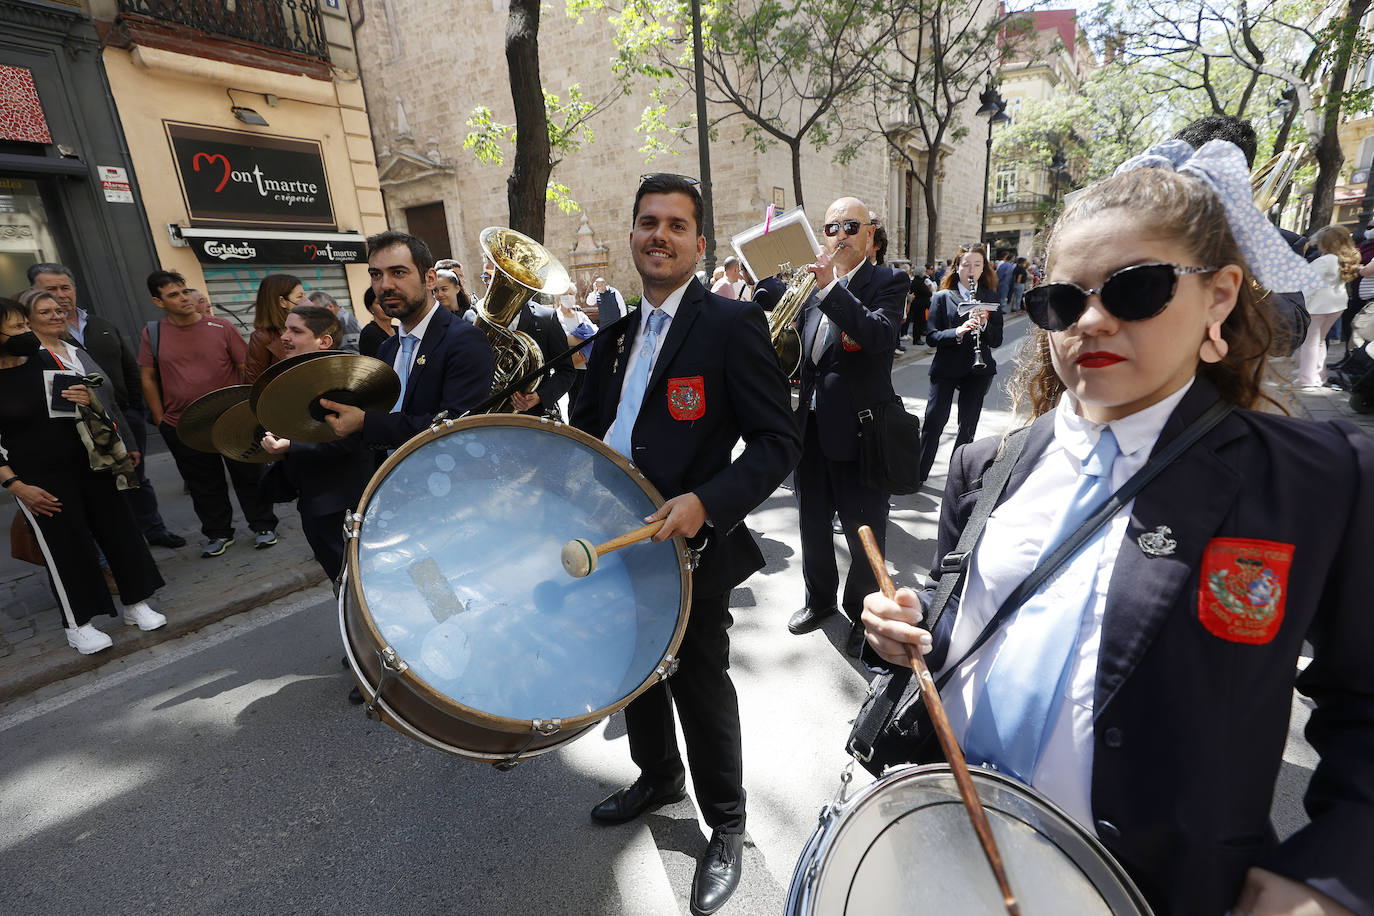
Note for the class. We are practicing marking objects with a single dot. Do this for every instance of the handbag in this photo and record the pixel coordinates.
(23, 542)
(893, 727)
(890, 448)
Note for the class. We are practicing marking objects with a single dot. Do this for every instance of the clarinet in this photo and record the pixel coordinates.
(978, 361)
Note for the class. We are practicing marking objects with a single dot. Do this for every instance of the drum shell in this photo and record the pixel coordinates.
(421, 711)
(1053, 865)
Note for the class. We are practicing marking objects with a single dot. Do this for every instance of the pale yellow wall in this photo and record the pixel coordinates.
(150, 86)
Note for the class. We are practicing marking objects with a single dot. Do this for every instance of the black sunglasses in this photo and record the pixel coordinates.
(850, 227)
(1131, 294)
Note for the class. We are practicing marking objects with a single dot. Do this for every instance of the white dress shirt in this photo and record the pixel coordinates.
(418, 332)
(669, 308)
(1011, 544)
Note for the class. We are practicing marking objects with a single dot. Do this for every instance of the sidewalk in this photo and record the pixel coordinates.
(33, 648)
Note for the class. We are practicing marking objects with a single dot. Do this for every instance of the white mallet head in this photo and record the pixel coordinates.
(579, 558)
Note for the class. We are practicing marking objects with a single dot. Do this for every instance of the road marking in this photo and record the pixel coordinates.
(190, 644)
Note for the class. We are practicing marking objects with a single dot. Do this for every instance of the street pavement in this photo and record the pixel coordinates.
(215, 767)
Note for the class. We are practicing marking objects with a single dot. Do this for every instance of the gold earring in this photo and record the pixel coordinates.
(1214, 348)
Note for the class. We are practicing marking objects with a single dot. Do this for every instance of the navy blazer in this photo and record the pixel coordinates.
(328, 476)
(855, 368)
(716, 380)
(452, 371)
(543, 325)
(1190, 726)
(954, 357)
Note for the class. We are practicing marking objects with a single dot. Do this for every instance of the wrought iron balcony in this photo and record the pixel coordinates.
(288, 25)
(1023, 202)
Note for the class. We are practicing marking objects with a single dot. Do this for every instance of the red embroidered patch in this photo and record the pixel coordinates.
(1243, 587)
(849, 343)
(687, 397)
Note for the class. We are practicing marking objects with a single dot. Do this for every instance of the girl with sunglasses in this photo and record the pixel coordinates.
(1146, 687)
(950, 329)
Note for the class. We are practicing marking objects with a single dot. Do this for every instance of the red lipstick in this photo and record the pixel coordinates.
(1098, 359)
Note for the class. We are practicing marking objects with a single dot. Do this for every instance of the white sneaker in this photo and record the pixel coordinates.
(87, 640)
(141, 616)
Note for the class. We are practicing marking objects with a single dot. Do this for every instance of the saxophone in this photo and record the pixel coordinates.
(523, 268)
(782, 320)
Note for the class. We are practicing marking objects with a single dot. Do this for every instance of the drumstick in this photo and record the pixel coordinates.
(579, 556)
(953, 753)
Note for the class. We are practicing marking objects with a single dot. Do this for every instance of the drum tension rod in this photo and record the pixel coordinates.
(392, 664)
(667, 668)
(353, 522)
(538, 727)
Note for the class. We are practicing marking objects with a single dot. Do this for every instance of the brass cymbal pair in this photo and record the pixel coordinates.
(286, 400)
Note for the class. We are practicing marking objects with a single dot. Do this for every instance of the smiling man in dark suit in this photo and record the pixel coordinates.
(444, 362)
(689, 376)
(849, 335)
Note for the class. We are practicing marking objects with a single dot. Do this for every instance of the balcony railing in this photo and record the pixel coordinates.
(1017, 204)
(288, 25)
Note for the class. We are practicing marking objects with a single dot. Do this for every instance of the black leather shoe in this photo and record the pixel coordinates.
(167, 539)
(808, 619)
(717, 873)
(355, 696)
(854, 645)
(642, 795)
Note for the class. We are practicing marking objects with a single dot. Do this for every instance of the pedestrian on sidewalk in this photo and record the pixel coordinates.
(118, 362)
(277, 295)
(1338, 264)
(182, 357)
(75, 512)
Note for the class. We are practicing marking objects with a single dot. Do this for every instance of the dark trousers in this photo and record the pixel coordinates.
(324, 534)
(143, 499)
(709, 712)
(823, 488)
(93, 513)
(204, 476)
(972, 389)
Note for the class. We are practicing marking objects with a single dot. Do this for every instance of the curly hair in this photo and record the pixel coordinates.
(1188, 211)
(1338, 241)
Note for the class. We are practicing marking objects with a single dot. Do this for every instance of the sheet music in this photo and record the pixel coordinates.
(789, 241)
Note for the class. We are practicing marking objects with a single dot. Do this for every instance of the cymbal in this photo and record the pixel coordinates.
(193, 428)
(237, 435)
(287, 401)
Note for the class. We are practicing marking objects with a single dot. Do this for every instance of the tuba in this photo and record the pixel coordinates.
(782, 320)
(523, 269)
(1268, 181)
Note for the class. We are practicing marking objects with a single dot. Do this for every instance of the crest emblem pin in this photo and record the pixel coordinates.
(1157, 543)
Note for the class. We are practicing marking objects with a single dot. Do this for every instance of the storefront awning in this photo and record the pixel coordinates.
(15, 163)
(274, 246)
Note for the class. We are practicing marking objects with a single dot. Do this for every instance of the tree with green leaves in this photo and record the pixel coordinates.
(546, 127)
(936, 55)
(787, 69)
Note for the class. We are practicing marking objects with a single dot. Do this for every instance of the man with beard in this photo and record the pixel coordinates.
(691, 374)
(444, 363)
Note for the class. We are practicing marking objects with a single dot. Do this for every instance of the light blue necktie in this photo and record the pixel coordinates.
(1013, 718)
(632, 395)
(407, 351)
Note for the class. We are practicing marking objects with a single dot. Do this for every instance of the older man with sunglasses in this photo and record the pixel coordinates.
(849, 335)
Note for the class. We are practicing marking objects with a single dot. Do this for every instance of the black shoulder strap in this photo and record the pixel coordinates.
(153, 327)
(953, 566)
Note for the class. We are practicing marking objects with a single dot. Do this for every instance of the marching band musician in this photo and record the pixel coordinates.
(1147, 688)
(444, 363)
(848, 335)
(689, 376)
(541, 323)
(959, 336)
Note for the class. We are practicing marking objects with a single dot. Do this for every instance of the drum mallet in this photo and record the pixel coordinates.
(957, 764)
(579, 556)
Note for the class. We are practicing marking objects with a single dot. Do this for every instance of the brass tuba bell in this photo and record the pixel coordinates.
(523, 268)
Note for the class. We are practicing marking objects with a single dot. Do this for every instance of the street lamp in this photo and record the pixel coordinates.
(992, 107)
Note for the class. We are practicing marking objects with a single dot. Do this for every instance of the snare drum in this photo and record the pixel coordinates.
(461, 625)
(904, 845)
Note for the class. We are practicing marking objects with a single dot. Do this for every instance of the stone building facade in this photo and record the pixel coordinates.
(427, 65)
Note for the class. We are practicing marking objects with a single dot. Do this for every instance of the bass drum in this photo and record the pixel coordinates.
(461, 625)
(904, 845)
